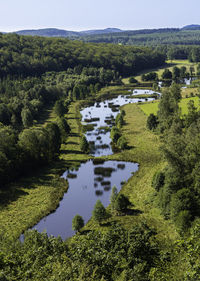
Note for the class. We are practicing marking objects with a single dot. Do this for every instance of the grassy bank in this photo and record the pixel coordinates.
(152, 107)
(145, 151)
(36, 195)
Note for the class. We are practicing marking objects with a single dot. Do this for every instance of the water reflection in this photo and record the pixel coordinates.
(84, 190)
(104, 114)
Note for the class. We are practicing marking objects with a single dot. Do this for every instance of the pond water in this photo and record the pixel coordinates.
(92, 180)
(145, 92)
(101, 115)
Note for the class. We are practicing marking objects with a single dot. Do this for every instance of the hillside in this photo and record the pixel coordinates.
(48, 32)
(54, 32)
(191, 27)
(187, 35)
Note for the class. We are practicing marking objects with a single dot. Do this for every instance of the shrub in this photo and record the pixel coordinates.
(158, 180)
(132, 80)
(123, 113)
(181, 200)
(119, 121)
(122, 143)
(152, 122)
(115, 134)
(167, 74)
(183, 220)
(84, 145)
(121, 203)
(77, 223)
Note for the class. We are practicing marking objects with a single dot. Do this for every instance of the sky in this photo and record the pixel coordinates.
(96, 14)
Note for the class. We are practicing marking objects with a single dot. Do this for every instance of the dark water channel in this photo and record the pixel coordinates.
(91, 181)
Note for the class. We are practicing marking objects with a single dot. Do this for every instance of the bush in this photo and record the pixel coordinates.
(121, 203)
(123, 113)
(84, 145)
(152, 122)
(167, 74)
(122, 143)
(158, 180)
(63, 127)
(151, 76)
(59, 108)
(182, 200)
(119, 121)
(183, 220)
(132, 80)
(115, 134)
(77, 223)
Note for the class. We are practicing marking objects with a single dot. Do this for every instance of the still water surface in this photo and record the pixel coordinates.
(91, 182)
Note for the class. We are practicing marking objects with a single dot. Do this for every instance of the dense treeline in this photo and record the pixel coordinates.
(22, 146)
(192, 53)
(25, 56)
(178, 185)
(149, 37)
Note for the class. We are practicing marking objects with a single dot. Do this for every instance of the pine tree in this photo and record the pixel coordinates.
(99, 212)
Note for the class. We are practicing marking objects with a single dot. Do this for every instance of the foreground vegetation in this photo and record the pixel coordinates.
(155, 235)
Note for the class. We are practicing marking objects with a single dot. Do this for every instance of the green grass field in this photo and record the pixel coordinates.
(169, 64)
(152, 107)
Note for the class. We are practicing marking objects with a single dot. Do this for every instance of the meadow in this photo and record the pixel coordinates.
(159, 70)
(152, 107)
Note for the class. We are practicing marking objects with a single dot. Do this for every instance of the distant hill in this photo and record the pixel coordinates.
(101, 31)
(187, 35)
(48, 32)
(54, 32)
(191, 27)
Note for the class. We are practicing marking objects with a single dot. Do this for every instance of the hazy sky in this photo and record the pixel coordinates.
(94, 14)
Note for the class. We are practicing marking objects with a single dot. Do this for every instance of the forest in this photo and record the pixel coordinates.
(149, 37)
(150, 231)
(37, 72)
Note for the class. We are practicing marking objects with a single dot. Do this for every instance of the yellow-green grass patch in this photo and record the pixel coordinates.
(187, 92)
(152, 107)
(159, 70)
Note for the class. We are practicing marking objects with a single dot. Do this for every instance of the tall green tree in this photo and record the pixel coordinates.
(99, 212)
(77, 223)
(27, 118)
(84, 145)
(113, 197)
(59, 108)
(168, 107)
